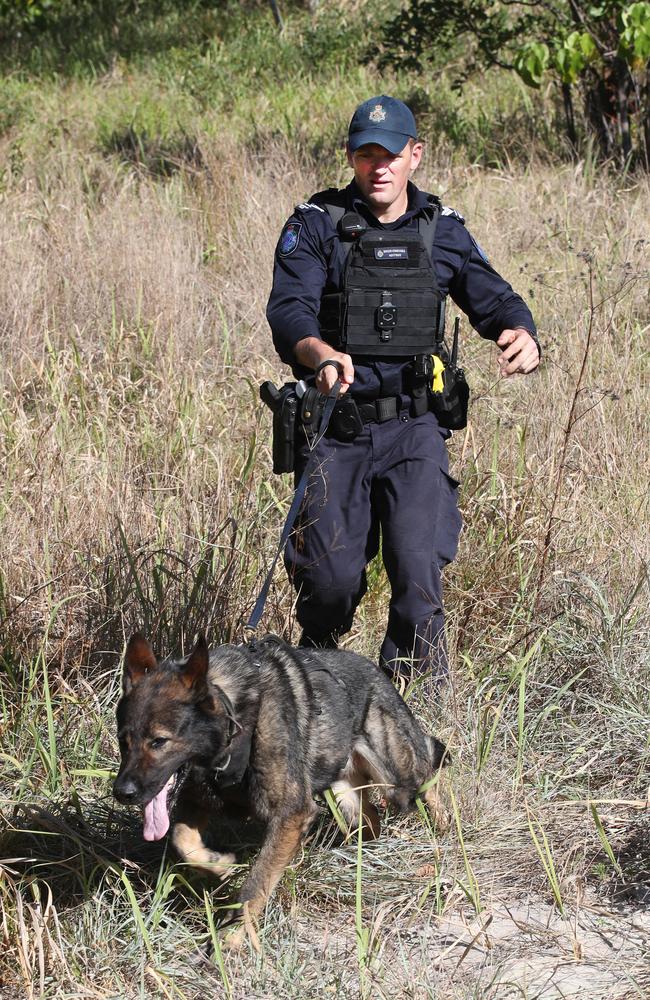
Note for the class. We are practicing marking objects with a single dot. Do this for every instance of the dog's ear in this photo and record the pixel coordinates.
(195, 672)
(138, 659)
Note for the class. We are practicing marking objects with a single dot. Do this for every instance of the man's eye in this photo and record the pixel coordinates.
(158, 743)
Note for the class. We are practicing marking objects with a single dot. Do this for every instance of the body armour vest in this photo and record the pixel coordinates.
(389, 304)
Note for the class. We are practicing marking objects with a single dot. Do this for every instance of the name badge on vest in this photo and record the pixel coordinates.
(391, 253)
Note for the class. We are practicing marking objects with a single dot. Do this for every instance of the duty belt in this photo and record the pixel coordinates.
(380, 410)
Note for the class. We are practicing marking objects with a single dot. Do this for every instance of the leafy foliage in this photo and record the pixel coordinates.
(634, 41)
(601, 48)
(17, 14)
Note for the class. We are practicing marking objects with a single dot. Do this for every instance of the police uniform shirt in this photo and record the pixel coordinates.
(306, 266)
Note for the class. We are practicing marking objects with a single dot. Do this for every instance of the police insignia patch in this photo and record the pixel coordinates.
(479, 249)
(289, 238)
(377, 114)
(391, 253)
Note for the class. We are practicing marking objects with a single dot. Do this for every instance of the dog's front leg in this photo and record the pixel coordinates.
(283, 836)
(187, 837)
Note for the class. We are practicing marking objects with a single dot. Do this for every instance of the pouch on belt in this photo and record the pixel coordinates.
(346, 422)
(449, 396)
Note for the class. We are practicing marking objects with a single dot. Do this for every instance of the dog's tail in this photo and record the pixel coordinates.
(438, 753)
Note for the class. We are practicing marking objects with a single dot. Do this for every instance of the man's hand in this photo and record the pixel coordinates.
(520, 353)
(311, 351)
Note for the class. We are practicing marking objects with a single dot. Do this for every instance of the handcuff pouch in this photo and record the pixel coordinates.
(346, 422)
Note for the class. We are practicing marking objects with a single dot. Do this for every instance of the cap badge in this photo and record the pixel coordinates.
(377, 114)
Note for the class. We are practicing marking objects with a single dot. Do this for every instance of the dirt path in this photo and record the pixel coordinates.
(519, 948)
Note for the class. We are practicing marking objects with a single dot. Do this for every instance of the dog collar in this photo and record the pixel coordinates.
(232, 771)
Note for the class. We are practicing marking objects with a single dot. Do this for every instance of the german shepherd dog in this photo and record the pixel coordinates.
(273, 726)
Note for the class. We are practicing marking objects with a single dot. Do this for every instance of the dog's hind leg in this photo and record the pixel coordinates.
(401, 770)
(188, 840)
(353, 799)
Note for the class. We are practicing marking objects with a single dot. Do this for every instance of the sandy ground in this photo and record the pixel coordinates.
(517, 948)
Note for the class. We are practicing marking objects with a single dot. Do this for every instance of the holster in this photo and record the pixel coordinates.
(418, 380)
(284, 433)
(284, 404)
(450, 392)
(294, 416)
(451, 403)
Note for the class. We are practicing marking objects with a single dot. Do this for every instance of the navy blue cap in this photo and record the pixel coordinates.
(382, 120)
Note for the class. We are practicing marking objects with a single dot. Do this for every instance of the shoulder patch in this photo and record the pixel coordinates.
(305, 206)
(289, 238)
(479, 249)
(446, 210)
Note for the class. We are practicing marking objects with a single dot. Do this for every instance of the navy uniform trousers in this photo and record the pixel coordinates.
(390, 485)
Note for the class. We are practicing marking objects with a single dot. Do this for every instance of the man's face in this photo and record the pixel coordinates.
(382, 176)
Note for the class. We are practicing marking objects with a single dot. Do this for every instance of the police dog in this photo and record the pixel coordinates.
(271, 726)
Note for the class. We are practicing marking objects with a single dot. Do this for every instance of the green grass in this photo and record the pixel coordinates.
(173, 78)
(143, 188)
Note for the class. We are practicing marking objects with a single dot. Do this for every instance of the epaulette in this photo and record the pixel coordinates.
(446, 210)
(330, 196)
(305, 206)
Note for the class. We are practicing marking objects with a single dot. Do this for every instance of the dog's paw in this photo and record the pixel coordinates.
(229, 940)
(188, 842)
(242, 925)
(219, 865)
(233, 939)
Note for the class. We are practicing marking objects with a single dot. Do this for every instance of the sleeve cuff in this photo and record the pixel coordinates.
(285, 343)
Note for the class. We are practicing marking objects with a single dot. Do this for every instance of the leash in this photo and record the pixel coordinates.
(298, 497)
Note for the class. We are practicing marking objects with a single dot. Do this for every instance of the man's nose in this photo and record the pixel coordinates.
(126, 790)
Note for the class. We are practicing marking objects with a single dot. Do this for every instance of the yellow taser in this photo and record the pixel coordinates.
(437, 384)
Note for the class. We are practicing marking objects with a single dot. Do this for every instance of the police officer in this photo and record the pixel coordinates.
(337, 310)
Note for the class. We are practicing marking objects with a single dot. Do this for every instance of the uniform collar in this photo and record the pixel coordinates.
(417, 201)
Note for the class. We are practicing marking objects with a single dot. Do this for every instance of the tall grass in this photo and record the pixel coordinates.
(137, 492)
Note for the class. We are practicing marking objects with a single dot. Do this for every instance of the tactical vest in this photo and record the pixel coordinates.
(389, 304)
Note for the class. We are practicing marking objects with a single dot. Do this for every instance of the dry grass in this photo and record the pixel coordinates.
(137, 492)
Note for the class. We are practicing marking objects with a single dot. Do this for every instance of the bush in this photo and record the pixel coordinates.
(600, 50)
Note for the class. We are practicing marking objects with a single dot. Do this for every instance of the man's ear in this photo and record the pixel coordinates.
(349, 154)
(195, 672)
(416, 155)
(138, 660)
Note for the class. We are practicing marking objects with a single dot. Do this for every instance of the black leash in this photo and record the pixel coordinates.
(298, 497)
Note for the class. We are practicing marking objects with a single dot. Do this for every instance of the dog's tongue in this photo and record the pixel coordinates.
(156, 817)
